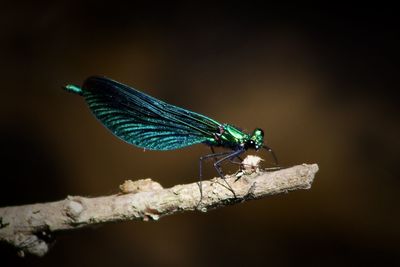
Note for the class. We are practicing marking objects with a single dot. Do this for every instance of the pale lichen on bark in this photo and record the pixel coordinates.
(26, 227)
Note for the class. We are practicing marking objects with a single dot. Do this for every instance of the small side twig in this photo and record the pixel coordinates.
(26, 226)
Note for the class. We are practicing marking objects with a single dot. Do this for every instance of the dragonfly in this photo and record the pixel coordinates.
(149, 123)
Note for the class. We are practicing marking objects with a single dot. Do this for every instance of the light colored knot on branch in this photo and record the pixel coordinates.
(27, 227)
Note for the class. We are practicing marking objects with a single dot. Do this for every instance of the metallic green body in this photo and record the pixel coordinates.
(231, 137)
(74, 89)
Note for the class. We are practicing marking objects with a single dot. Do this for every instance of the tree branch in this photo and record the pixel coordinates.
(26, 227)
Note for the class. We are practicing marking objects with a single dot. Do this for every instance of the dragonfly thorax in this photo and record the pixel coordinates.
(234, 138)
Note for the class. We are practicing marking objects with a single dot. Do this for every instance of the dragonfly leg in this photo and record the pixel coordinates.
(213, 152)
(240, 163)
(232, 160)
(229, 157)
(215, 156)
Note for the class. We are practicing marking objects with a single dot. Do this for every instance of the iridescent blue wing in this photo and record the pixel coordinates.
(142, 120)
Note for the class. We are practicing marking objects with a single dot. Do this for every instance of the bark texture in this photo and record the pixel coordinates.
(27, 226)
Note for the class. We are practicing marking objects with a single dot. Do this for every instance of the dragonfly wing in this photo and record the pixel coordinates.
(145, 121)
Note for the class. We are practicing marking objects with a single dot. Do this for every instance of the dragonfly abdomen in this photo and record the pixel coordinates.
(74, 89)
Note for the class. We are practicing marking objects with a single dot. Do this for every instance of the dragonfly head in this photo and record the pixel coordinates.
(256, 141)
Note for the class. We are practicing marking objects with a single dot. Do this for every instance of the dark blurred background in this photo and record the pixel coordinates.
(320, 81)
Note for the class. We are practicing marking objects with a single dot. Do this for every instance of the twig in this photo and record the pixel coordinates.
(26, 227)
